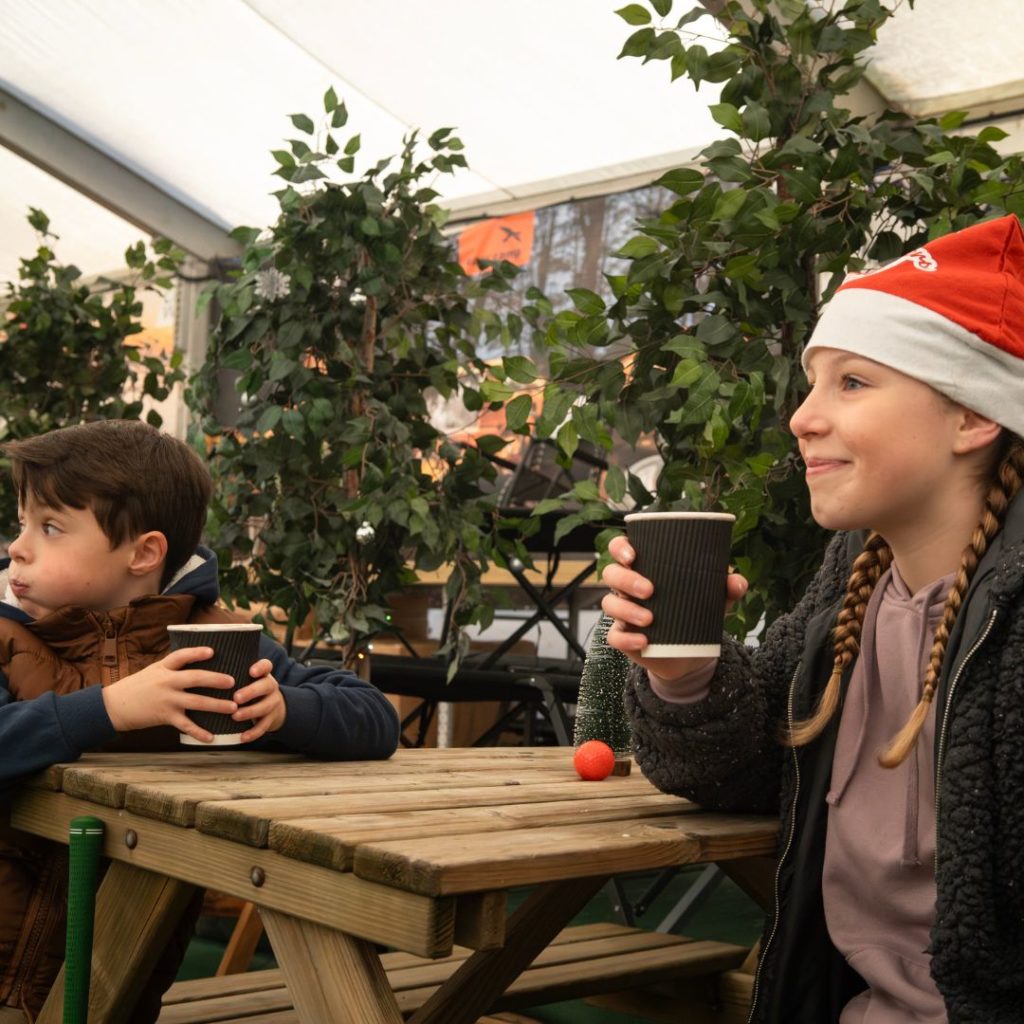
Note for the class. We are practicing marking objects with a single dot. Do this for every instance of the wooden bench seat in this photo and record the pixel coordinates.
(583, 960)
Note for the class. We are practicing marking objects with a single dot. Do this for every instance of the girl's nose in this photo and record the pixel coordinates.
(806, 419)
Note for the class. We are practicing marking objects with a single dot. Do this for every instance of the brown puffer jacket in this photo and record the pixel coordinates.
(63, 652)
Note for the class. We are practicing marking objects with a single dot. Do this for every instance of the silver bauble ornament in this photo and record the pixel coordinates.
(365, 533)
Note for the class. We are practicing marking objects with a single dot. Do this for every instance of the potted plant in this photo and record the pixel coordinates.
(334, 486)
(69, 351)
(700, 344)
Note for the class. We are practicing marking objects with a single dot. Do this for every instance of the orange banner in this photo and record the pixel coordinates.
(500, 238)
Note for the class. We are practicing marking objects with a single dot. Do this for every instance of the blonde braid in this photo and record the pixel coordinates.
(867, 570)
(1006, 484)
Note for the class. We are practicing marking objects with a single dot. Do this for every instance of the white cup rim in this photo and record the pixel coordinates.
(723, 516)
(229, 627)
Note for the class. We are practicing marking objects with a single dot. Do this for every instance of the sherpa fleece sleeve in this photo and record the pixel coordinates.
(724, 752)
(332, 713)
(49, 729)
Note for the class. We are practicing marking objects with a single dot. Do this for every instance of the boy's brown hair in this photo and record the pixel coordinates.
(130, 475)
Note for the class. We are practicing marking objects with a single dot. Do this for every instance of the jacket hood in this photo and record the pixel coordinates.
(198, 577)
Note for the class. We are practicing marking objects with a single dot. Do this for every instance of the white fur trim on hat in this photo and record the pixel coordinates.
(927, 346)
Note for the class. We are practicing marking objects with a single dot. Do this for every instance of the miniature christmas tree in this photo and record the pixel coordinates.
(600, 712)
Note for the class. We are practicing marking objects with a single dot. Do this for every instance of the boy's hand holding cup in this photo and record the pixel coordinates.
(670, 589)
(235, 650)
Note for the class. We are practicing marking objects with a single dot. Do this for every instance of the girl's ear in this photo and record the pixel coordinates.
(149, 554)
(974, 432)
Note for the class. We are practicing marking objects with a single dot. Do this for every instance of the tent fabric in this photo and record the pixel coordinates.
(192, 95)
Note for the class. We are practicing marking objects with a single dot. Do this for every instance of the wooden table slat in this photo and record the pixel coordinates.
(331, 841)
(436, 866)
(172, 793)
(249, 821)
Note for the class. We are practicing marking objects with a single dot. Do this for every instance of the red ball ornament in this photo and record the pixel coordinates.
(593, 760)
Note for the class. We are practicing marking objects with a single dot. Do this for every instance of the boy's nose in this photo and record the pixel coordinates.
(16, 549)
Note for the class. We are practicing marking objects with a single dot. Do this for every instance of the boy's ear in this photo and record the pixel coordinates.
(149, 554)
(975, 432)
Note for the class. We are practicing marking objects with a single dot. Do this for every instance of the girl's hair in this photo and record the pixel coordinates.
(867, 570)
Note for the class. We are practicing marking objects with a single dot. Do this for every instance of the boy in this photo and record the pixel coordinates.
(107, 557)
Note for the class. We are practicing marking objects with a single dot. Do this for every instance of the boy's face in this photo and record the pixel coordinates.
(63, 557)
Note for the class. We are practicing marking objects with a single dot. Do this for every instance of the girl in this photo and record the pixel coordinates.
(897, 681)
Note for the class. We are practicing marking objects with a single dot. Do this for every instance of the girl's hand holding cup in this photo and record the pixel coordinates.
(632, 620)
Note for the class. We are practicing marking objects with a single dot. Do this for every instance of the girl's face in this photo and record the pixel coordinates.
(883, 451)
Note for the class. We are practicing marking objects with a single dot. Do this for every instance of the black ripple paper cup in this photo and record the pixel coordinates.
(236, 649)
(686, 556)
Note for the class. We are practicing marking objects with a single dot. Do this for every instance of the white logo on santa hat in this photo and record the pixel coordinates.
(920, 259)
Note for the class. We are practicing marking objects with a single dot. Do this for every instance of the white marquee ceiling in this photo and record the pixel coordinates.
(189, 96)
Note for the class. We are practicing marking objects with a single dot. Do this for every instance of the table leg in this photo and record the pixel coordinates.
(332, 977)
(755, 876)
(136, 913)
(486, 974)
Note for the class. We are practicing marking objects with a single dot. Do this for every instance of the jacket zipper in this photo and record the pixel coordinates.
(784, 854)
(947, 712)
(108, 659)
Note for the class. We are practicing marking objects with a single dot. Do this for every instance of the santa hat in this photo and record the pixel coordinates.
(950, 314)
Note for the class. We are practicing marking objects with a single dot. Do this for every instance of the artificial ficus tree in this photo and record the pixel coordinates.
(700, 345)
(334, 486)
(68, 348)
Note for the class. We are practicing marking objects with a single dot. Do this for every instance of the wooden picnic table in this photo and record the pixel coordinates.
(416, 853)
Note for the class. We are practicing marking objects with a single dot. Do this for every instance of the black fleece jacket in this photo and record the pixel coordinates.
(724, 752)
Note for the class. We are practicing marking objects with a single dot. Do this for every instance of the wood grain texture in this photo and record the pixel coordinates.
(136, 913)
(420, 925)
(332, 841)
(436, 866)
(332, 977)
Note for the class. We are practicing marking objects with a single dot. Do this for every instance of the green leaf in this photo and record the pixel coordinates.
(716, 330)
(303, 123)
(615, 482)
(638, 43)
(951, 121)
(634, 14)
(803, 186)
(682, 180)
(663, 7)
(568, 438)
(330, 100)
(495, 391)
(517, 412)
(638, 247)
(280, 366)
(729, 204)
(269, 419)
(519, 369)
(353, 144)
(756, 122)
(586, 301)
(991, 133)
(727, 116)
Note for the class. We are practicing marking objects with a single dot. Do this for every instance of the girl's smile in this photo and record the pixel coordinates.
(818, 466)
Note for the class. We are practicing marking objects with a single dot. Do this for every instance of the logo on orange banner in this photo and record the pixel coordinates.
(500, 238)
